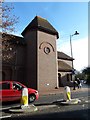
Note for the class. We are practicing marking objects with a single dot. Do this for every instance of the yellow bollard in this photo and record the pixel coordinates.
(68, 96)
(24, 97)
(67, 93)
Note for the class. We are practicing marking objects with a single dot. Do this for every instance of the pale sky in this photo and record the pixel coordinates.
(80, 52)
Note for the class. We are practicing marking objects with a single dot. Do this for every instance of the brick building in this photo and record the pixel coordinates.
(33, 59)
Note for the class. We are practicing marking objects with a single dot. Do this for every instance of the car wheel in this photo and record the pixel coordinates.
(32, 98)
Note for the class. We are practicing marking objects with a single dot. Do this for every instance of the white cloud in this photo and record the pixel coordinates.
(80, 52)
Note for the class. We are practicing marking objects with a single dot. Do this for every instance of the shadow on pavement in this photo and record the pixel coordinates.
(10, 102)
(70, 115)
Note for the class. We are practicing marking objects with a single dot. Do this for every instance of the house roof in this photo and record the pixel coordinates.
(13, 38)
(63, 56)
(63, 66)
(41, 24)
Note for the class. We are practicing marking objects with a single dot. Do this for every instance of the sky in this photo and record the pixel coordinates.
(66, 18)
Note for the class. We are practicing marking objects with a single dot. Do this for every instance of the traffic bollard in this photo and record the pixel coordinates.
(24, 98)
(67, 93)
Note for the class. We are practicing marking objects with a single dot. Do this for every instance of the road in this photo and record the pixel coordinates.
(46, 99)
(54, 97)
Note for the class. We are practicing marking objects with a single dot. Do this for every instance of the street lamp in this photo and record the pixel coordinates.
(76, 33)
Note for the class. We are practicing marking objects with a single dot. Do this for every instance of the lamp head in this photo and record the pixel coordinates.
(76, 33)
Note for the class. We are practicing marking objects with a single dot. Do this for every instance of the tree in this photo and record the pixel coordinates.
(86, 73)
(80, 75)
(9, 46)
(86, 70)
(9, 20)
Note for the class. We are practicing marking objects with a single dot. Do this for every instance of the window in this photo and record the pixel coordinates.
(5, 85)
(16, 86)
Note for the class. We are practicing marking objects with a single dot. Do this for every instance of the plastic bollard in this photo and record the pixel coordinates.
(67, 93)
(24, 97)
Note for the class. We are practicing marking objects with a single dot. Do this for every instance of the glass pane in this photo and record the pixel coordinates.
(5, 85)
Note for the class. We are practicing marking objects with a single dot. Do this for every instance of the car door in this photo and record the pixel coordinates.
(6, 91)
(9, 93)
(17, 90)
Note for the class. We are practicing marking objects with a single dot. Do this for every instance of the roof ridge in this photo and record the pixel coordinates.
(62, 55)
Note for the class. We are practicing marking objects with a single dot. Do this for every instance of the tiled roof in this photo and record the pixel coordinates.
(41, 24)
(13, 38)
(62, 66)
(63, 56)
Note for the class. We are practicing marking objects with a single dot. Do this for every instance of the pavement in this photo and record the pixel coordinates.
(61, 90)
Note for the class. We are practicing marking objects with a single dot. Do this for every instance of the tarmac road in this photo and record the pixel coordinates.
(54, 97)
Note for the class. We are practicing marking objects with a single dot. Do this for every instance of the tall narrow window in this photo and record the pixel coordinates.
(69, 77)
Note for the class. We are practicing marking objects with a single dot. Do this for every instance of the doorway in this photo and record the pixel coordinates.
(59, 79)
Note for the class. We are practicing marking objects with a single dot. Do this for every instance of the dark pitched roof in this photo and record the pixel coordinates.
(62, 66)
(13, 38)
(63, 56)
(41, 24)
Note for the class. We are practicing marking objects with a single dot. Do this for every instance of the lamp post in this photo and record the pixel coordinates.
(76, 33)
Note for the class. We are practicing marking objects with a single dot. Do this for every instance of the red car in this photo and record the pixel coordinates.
(12, 91)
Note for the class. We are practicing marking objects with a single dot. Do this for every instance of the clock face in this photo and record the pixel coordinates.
(47, 50)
